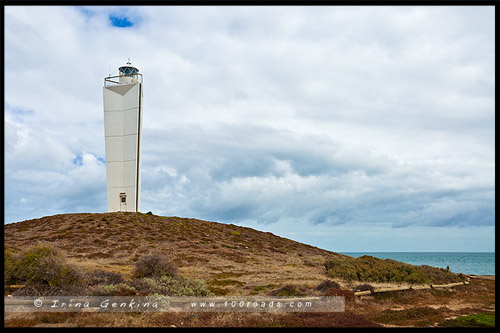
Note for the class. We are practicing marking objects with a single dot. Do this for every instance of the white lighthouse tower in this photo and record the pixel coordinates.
(122, 132)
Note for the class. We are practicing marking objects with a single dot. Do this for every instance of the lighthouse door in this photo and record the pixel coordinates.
(123, 202)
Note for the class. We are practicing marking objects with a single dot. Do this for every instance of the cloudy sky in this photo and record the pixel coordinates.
(347, 128)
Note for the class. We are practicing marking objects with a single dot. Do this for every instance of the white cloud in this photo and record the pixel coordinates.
(325, 115)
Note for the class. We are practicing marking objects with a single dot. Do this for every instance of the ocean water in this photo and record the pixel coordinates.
(476, 263)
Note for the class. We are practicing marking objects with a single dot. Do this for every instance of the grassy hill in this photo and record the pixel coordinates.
(219, 259)
(231, 259)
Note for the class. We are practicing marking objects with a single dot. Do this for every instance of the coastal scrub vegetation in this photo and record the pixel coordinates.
(99, 254)
(154, 265)
(371, 269)
(43, 270)
(327, 284)
(41, 267)
(364, 287)
(172, 286)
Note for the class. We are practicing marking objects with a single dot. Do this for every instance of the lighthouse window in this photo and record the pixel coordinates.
(128, 70)
(124, 199)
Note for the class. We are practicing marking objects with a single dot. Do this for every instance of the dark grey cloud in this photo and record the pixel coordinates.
(265, 174)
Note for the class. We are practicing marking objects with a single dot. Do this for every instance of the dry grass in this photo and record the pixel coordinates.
(191, 320)
(428, 307)
(202, 250)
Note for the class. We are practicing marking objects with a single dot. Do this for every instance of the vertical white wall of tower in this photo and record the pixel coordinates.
(122, 131)
(139, 147)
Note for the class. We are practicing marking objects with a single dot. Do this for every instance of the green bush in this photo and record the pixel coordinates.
(287, 291)
(327, 284)
(172, 286)
(101, 277)
(368, 268)
(120, 289)
(441, 276)
(364, 287)
(342, 269)
(46, 290)
(290, 290)
(41, 265)
(10, 267)
(154, 265)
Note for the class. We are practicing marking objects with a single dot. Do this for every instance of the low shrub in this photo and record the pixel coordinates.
(154, 265)
(262, 288)
(41, 265)
(46, 290)
(343, 269)
(408, 316)
(218, 291)
(288, 290)
(103, 277)
(440, 275)
(224, 283)
(120, 289)
(172, 286)
(327, 284)
(364, 287)
(330, 319)
(348, 295)
(368, 268)
(10, 267)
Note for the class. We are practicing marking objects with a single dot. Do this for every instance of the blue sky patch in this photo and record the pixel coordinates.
(120, 21)
(18, 114)
(78, 160)
(85, 11)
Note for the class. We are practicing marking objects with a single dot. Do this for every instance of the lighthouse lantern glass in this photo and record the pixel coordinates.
(128, 70)
(128, 74)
